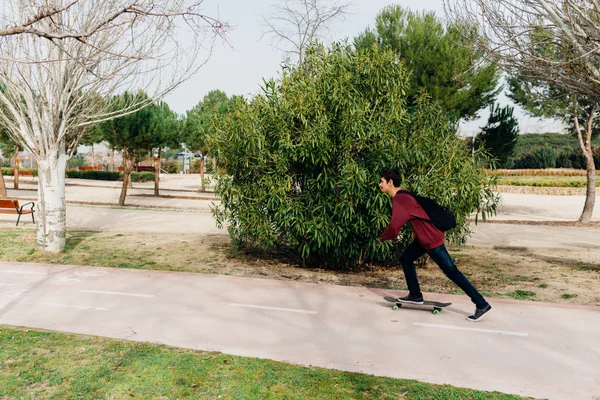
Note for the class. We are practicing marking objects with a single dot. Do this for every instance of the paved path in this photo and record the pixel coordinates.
(135, 197)
(534, 236)
(540, 207)
(514, 206)
(135, 220)
(526, 348)
(201, 222)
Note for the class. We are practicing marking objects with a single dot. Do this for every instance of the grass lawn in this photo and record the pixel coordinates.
(47, 365)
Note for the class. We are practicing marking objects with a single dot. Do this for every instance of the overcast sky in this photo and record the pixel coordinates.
(239, 68)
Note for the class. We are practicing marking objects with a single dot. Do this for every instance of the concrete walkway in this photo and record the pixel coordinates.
(514, 206)
(137, 197)
(534, 236)
(540, 207)
(531, 349)
(199, 221)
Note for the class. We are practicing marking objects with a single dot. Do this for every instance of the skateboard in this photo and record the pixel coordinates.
(434, 306)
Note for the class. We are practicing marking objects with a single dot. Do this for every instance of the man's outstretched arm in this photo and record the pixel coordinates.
(400, 217)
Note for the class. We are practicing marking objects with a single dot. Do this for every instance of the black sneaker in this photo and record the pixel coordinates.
(411, 299)
(479, 313)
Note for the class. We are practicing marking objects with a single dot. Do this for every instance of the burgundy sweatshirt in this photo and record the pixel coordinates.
(405, 208)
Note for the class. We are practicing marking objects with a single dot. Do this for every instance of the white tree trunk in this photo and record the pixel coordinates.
(62, 61)
(51, 206)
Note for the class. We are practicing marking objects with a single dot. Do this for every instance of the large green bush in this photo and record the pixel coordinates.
(302, 161)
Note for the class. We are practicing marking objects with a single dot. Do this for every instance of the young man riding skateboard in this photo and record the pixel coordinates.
(427, 239)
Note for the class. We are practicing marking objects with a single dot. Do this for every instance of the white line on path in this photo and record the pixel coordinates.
(117, 293)
(23, 272)
(274, 308)
(77, 307)
(459, 328)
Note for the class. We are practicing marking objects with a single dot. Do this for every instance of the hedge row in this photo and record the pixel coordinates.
(111, 176)
(571, 184)
(9, 171)
(537, 172)
(96, 175)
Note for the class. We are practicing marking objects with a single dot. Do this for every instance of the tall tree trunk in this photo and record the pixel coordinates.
(202, 181)
(93, 157)
(16, 173)
(590, 193)
(112, 160)
(51, 205)
(127, 168)
(133, 168)
(586, 150)
(3, 194)
(157, 172)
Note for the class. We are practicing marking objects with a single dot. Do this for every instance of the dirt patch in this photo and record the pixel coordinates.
(558, 276)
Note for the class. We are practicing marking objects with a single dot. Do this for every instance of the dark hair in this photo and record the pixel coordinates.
(392, 174)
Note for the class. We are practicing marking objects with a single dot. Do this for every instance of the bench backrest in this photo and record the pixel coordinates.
(9, 204)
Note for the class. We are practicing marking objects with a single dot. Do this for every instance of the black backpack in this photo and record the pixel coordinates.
(439, 216)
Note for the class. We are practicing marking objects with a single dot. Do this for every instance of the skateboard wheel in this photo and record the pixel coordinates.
(436, 312)
(395, 308)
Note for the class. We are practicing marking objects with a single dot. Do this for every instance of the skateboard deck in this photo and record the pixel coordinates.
(433, 306)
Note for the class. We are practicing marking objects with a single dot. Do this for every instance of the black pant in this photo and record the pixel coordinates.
(444, 261)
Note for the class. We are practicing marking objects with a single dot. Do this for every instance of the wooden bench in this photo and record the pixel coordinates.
(97, 168)
(23, 172)
(12, 207)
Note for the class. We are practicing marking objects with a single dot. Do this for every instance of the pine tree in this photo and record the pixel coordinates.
(499, 136)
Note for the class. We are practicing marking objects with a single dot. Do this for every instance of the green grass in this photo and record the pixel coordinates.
(567, 296)
(46, 365)
(543, 181)
(82, 248)
(521, 294)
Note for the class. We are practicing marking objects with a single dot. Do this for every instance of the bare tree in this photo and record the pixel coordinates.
(295, 24)
(554, 42)
(60, 61)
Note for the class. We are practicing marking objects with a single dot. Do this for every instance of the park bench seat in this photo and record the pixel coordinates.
(13, 207)
(23, 172)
